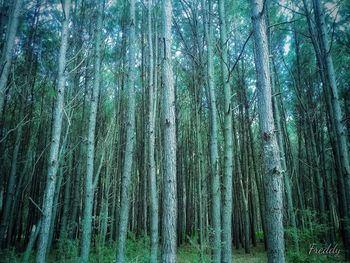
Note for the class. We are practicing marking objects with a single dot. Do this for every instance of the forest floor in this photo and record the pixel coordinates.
(137, 252)
(187, 254)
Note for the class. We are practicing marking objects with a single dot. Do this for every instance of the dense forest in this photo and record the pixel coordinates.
(174, 131)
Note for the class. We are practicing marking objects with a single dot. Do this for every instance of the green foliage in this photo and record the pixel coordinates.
(68, 249)
(307, 237)
(305, 257)
(137, 250)
(259, 235)
(9, 255)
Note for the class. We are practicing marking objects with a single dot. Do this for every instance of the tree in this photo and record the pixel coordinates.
(151, 141)
(89, 180)
(273, 172)
(214, 155)
(169, 142)
(7, 52)
(227, 182)
(55, 140)
(130, 141)
(339, 124)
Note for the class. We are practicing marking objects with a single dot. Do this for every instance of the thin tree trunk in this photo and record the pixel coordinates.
(130, 139)
(340, 130)
(11, 184)
(6, 58)
(55, 140)
(151, 137)
(169, 210)
(33, 236)
(273, 171)
(286, 175)
(214, 156)
(227, 182)
(89, 185)
(66, 206)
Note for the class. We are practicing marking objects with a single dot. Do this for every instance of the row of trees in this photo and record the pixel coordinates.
(222, 124)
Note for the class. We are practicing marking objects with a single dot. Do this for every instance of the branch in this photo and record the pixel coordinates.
(15, 128)
(333, 29)
(239, 56)
(36, 205)
(282, 23)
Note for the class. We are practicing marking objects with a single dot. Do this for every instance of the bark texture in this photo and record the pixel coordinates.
(169, 215)
(130, 141)
(55, 141)
(6, 58)
(273, 178)
(89, 185)
(214, 155)
(151, 144)
(228, 161)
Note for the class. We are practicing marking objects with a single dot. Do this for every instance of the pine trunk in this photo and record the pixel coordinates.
(55, 141)
(228, 161)
(6, 58)
(130, 139)
(169, 209)
(151, 137)
(89, 186)
(273, 172)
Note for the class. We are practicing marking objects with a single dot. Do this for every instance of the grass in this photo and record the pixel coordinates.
(137, 252)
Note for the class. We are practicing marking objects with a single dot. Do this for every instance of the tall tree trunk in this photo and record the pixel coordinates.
(340, 130)
(33, 236)
(130, 139)
(151, 137)
(214, 156)
(169, 210)
(89, 186)
(280, 139)
(273, 172)
(228, 161)
(55, 140)
(66, 204)
(6, 55)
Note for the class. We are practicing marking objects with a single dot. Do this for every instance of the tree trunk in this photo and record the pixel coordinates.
(214, 156)
(6, 58)
(89, 186)
(11, 184)
(340, 130)
(286, 176)
(130, 139)
(151, 138)
(169, 211)
(227, 182)
(55, 140)
(273, 171)
(66, 205)
(33, 236)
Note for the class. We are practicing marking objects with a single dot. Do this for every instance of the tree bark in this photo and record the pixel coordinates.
(130, 141)
(151, 141)
(89, 179)
(6, 58)
(214, 156)
(273, 172)
(228, 161)
(340, 129)
(169, 211)
(55, 140)
(286, 172)
(11, 184)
